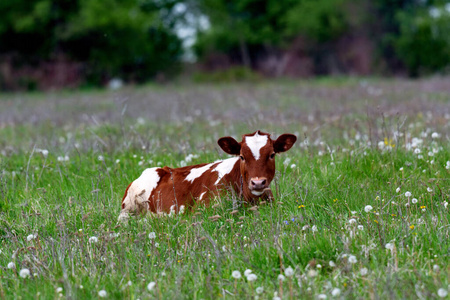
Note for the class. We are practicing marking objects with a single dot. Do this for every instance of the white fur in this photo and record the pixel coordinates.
(224, 168)
(255, 143)
(201, 196)
(197, 172)
(136, 200)
(257, 193)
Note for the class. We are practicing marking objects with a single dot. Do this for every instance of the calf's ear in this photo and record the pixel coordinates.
(284, 142)
(229, 145)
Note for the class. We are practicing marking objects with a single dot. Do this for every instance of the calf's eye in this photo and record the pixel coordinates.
(242, 158)
(272, 156)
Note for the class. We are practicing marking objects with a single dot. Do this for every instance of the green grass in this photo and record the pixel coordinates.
(317, 225)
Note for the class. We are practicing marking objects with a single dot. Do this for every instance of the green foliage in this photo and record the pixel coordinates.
(423, 43)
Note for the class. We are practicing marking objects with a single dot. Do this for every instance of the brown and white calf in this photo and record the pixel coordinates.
(249, 173)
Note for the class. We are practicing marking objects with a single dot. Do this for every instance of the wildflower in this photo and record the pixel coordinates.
(435, 135)
(336, 292)
(252, 277)
(293, 166)
(408, 194)
(11, 265)
(314, 228)
(436, 268)
(31, 237)
(102, 293)
(93, 239)
(332, 264)
(417, 151)
(389, 246)
(411, 227)
(259, 290)
(401, 169)
(442, 293)
(151, 286)
(152, 235)
(157, 245)
(247, 272)
(101, 158)
(322, 296)
(397, 190)
(429, 190)
(352, 259)
(24, 273)
(319, 266)
(368, 208)
(363, 271)
(289, 271)
(352, 221)
(414, 200)
(312, 273)
(281, 277)
(360, 227)
(236, 274)
(59, 290)
(354, 212)
(301, 206)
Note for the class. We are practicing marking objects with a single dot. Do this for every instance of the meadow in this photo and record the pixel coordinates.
(360, 210)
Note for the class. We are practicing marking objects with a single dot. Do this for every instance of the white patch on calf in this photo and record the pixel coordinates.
(201, 196)
(224, 168)
(197, 172)
(136, 200)
(255, 143)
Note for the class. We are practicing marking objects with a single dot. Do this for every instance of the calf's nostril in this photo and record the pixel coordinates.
(263, 182)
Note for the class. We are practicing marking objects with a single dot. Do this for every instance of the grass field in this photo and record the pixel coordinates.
(361, 199)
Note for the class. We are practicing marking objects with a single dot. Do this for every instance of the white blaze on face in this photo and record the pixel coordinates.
(255, 143)
(224, 168)
(197, 172)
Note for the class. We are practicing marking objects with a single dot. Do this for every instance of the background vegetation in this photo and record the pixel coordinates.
(59, 43)
(361, 208)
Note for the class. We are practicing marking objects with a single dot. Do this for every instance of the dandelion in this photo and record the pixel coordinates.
(289, 272)
(151, 286)
(442, 293)
(93, 239)
(435, 135)
(322, 296)
(252, 277)
(259, 290)
(368, 208)
(59, 290)
(236, 274)
(352, 221)
(429, 190)
(101, 158)
(389, 246)
(281, 277)
(301, 206)
(336, 292)
(102, 293)
(417, 151)
(352, 259)
(24, 273)
(436, 268)
(293, 166)
(360, 227)
(31, 237)
(152, 235)
(11, 265)
(408, 194)
(332, 264)
(247, 272)
(411, 227)
(414, 200)
(363, 271)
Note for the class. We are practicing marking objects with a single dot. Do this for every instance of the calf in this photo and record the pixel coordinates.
(249, 174)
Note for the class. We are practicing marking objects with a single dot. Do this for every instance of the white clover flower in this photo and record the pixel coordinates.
(252, 277)
(24, 273)
(236, 274)
(352, 259)
(408, 194)
(93, 239)
(442, 293)
(11, 265)
(281, 277)
(151, 286)
(259, 290)
(389, 246)
(247, 272)
(360, 227)
(397, 190)
(429, 190)
(289, 271)
(368, 208)
(102, 293)
(414, 200)
(352, 221)
(363, 271)
(336, 292)
(59, 289)
(152, 235)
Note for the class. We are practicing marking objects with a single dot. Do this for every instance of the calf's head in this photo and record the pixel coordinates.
(257, 158)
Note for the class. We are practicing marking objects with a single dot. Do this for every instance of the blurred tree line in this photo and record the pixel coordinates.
(45, 43)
